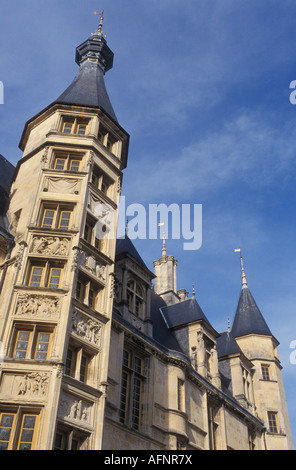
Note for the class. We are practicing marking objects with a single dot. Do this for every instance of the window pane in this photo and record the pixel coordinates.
(272, 419)
(6, 421)
(69, 362)
(65, 220)
(48, 218)
(83, 368)
(126, 358)
(54, 280)
(138, 307)
(67, 128)
(123, 397)
(3, 445)
(36, 277)
(136, 403)
(265, 373)
(81, 129)
(91, 298)
(22, 344)
(138, 365)
(6, 425)
(74, 165)
(60, 163)
(42, 346)
(27, 432)
(80, 291)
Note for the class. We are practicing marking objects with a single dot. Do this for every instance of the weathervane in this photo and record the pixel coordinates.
(99, 31)
(244, 280)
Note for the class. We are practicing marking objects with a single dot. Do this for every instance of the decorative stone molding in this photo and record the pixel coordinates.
(43, 306)
(90, 160)
(86, 328)
(20, 255)
(55, 246)
(45, 156)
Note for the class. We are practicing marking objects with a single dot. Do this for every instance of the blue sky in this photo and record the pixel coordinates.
(202, 87)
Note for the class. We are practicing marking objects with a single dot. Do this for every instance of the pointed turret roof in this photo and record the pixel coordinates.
(125, 246)
(248, 318)
(94, 58)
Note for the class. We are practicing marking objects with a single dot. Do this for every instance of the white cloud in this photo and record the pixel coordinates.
(249, 149)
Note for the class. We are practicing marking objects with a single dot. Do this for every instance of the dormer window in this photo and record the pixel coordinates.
(71, 125)
(135, 298)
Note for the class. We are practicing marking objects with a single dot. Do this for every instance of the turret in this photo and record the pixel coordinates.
(258, 344)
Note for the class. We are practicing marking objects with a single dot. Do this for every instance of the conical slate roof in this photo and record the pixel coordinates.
(94, 58)
(88, 88)
(248, 318)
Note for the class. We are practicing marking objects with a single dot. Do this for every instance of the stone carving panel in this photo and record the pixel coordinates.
(86, 328)
(55, 246)
(29, 385)
(62, 185)
(74, 409)
(43, 306)
(93, 266)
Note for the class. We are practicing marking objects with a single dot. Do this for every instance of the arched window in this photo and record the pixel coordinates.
(135, 297)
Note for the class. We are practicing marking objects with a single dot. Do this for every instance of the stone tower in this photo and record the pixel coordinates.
(58, 278)
(255, 339)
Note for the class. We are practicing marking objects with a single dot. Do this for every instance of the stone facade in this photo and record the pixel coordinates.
(93, 355)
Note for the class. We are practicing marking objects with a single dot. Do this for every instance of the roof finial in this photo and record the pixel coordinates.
(163, 241)
(99, 31)
(193, 290)
(228, 326)
(244, 279)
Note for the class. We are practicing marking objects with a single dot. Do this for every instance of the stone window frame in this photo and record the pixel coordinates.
(135, 297)
(34, 329)
(16, 429)
(131, 389)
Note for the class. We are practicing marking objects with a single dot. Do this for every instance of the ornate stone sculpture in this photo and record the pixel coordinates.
(50, 246)
(86, 328)
(33, 384)
(38, 305)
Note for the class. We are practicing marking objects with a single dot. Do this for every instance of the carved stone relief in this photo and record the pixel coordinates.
(38, 305)
(33, 384)
(29, 385)
(93, 266)
(50, 246)
(73, 409)
(86, 328)
(62, 185)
